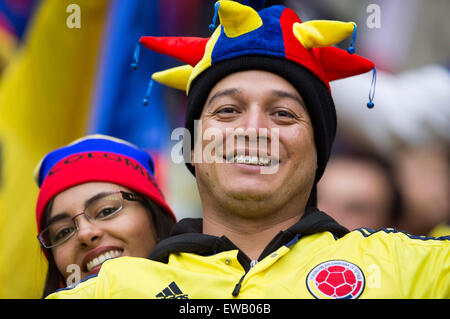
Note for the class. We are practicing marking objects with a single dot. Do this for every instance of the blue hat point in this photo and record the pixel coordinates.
(351, 48)
(136, 55)
(212, 26)
(370, 104)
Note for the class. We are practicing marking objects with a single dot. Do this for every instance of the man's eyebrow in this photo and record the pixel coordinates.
(226, 92)
(235, 91)
(292, 96)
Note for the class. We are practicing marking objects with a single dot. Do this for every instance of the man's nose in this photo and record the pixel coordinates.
(256, 125)
(256, 118)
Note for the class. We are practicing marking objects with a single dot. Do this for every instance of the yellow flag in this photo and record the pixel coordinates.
(44, 104)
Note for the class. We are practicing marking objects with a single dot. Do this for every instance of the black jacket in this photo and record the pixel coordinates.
(187, 236)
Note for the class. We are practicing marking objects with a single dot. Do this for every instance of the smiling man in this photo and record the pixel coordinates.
(261, 235)
(238, 200)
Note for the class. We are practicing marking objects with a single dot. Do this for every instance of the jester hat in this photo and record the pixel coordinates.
(274, 39)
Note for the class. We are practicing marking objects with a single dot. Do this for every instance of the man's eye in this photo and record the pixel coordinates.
(226, 110)
(284, 114)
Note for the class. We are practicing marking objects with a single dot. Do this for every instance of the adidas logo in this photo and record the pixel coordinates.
(172, 292)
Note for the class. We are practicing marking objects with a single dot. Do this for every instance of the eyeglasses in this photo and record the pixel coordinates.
(99, 208)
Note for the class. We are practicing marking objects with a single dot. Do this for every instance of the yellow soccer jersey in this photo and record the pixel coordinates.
(310, 262)
(440, 230)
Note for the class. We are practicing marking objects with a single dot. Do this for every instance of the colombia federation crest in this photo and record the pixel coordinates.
(335, 279)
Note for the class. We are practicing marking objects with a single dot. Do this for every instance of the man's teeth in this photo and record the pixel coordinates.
(252, 160)
(101, 258)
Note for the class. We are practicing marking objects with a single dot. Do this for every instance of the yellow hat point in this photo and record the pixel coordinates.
(177, 77)
(238, 19)
(322, 33)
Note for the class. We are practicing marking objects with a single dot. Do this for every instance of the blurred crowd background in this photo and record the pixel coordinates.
(390, 164)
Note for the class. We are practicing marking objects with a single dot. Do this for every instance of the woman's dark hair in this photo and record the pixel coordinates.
(162, 223)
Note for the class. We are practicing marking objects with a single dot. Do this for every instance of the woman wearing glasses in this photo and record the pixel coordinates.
(98, 200)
